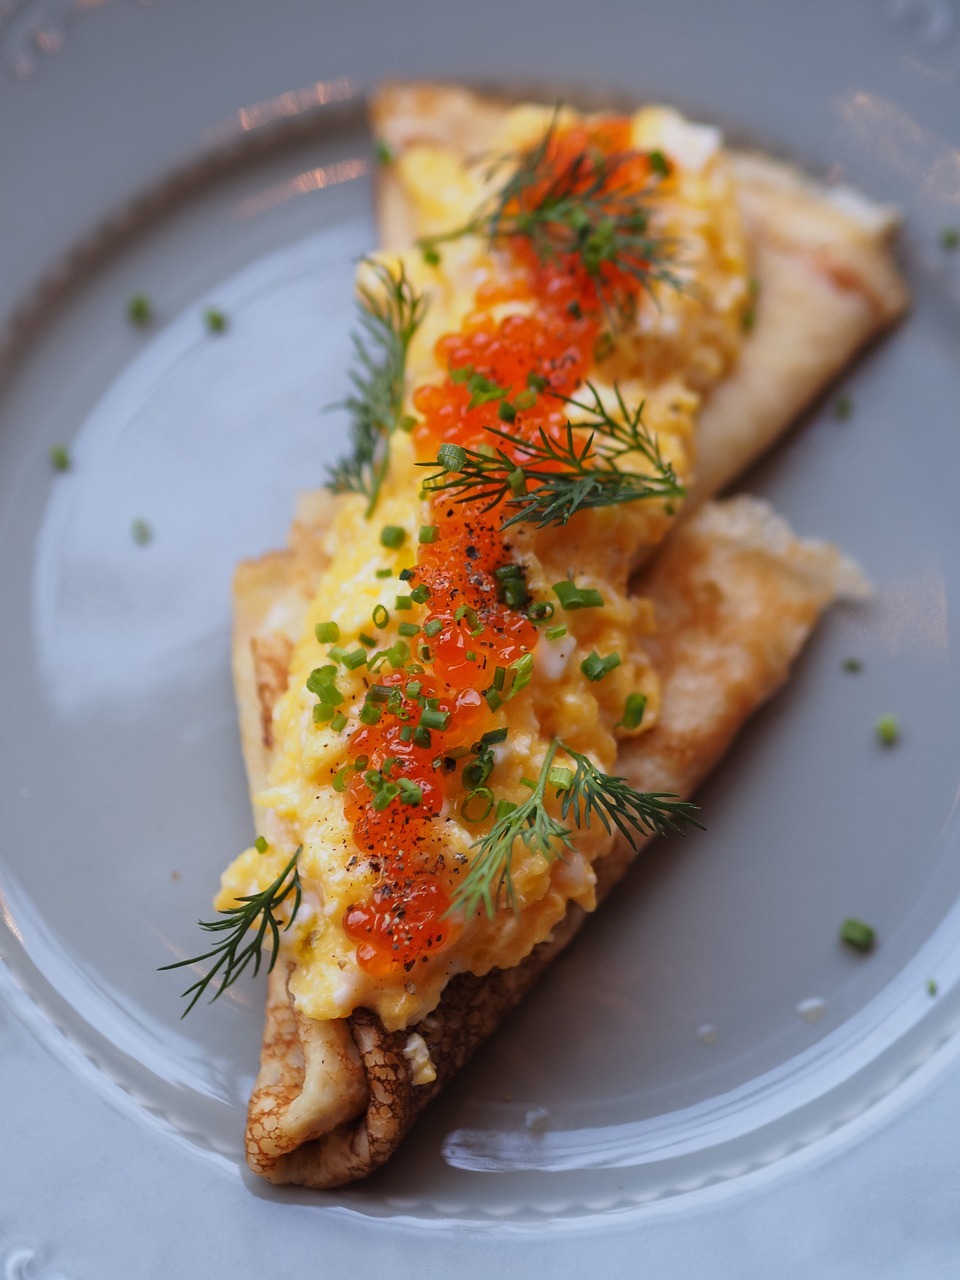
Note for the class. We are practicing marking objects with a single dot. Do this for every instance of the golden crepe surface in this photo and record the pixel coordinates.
(733, 592)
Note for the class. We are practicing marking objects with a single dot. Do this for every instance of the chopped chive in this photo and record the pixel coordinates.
(59, 457)
(406, 574)
(323, 712)
(887, 730)
(260, 844)
(392, 536)
(384, 573)
(595, 668)
(522, 670)
(932, 987)
(560, 777)
(633, 709)
(858, 934)
(573, 597)
(406, 732)
(536, 382)
(494, 701)
(338, 722)
(215, 320)
(368, 640)
(431, 256)
(398, 653)
(493, 736)
(406, 423)
(471, 655)
(408, 629)
(433, 626)
(421, 736)
(380, 616)
(413, 688)
(853, 665)
(336, 653)
(555, 633)
(370, 713)
(525, 399)
(541, 611)
(452, 457)
(421, 594)
(139, 310)
(141, 532)
(659, 163)
(428, 533)
(843, 406)
(430, 719)
(506, 412)
(403, 602)
(383, 152)
(377, 693)
(327, 632)
(355, 658)
(410, 793)
(950, 238)
(478, 805)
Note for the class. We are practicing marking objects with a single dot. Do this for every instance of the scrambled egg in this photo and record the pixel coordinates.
(678, 345)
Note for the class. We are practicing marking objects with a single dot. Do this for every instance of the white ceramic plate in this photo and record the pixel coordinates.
(736, 1092)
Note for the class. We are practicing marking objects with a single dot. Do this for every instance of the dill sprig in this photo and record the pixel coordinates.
(586, 208)
(490, 871)
(584, 793)
(256, 909)
(613, 801)
(389, 317)
(546, 481)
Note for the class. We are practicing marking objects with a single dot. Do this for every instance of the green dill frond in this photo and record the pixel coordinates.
(581, 208)
(489, 875)
(255, 911)
(389, 318)
(546, 481)
(583, 794)
(616, 804)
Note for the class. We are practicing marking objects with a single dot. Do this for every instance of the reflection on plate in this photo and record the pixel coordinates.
(696, 1053)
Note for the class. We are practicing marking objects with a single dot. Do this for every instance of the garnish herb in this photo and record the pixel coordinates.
(586, 792)
(392, 536)
(257, 911)
(140, 532)
(139, 310)
(843, 406)
(59, 457)
(595, 668)
(633, 709)
(584, 208)
(546, 481)
(858, 934)
(327, 632)
(950, 238)
(853, 665)
(388, 321)
(215, 320)
(887, 730)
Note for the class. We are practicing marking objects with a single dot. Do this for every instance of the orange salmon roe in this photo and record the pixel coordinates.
(541, 354)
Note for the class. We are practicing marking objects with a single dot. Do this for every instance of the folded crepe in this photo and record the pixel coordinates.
(734, 596)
